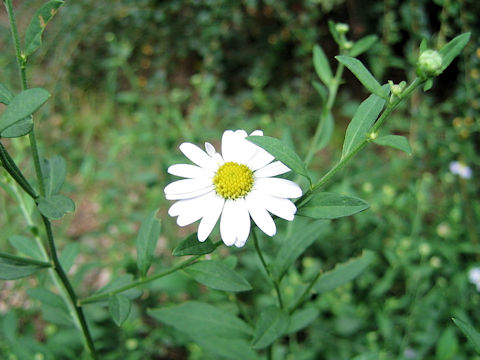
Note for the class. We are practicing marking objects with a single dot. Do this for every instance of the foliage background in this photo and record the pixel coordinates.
(134, 78)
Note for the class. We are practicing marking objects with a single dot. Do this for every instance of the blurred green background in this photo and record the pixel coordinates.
(132, 79)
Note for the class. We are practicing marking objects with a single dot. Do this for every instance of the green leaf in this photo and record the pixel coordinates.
(363, 75)
(295, 246)
(119, 307)
(343, 273)
(197, 318)
(363, 45)
(218, 276)
(327, 205)
(333, 31)
(225, 347)
(326, 131)
(191, 246)
(321, 90)
(47, 297)
(366, 114)
(282, 152)
(13, 269)
(271, 325)
(301, 319)
(321, 65)
(23, 105)
(447, 345)
(33, 35)
(395, 141)
(453, 48)
(470, 332)
(26, 246)
(120, 282)
(54, 207)
(428, 85)
(68, 256)
(147, 242)
(19, 128)
(54, 171)
(5, 95)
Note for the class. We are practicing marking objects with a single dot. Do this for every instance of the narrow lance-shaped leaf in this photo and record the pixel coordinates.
(344, 272)
(147, 242)
(282, 152)
(271, 325)
(301, 319)
(395, 141)
(366, 114)
(326, 131)
(321, 65)
(56, 206)
(472, 334)
(119, 307)
(26, 246)
(218, 276)
(23, 105)
(327, 205)
(363, 45)
(33, 34)
(453, 48)
(11, 269)
(363, 75)
(191, 246)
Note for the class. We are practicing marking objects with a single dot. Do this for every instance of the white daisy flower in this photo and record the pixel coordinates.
(234, 186)
(474, 277)
(460, 169)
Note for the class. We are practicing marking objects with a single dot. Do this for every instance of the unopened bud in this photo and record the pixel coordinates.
(342, 28)
(347, 45)
(429, 64)
(396, 89)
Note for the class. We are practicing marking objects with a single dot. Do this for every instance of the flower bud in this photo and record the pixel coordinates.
(396, 89)
(429, 64)
(342, 28)
(347, 45)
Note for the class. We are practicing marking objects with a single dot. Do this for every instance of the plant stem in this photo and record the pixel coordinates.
(145, 280)
(67, 287)
(21, 61)
(267, 269)
(386, 113)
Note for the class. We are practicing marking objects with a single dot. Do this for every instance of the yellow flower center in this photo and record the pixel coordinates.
(233, 181)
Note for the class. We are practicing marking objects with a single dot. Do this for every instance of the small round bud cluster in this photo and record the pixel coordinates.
(396, 89)
(429, 64)
(342, 28)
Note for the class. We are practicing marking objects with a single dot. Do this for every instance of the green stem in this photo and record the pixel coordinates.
(25, 260)
(145, 280)
(15, 172)
(267, 269)
(304, 295)
(22, 61)
(386, 113)
(69, 289)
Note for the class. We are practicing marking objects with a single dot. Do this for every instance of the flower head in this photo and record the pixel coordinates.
(460, 169)
(474, 277)
(429, 64)
(233, 186)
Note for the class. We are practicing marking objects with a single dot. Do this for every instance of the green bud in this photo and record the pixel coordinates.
(396, 89)
(429, 64)
(342, 28)
(347, 45)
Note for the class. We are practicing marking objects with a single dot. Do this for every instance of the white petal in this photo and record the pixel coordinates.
(257, 133)
(210, 149)
(273, 169)
(260, 159)
(189, 210)
(189, 195)
(260, 215)
(190, 171)
(283, 208)
(241, 133)
(278, 187)
(235, 222)
(229, 146)
(198, 156)
(213, 209)
(187, 186)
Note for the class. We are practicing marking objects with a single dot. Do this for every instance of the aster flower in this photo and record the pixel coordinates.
(460, 169)
(474, 277)
(236, 185)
